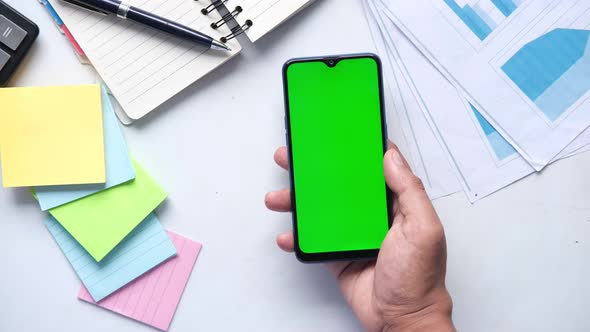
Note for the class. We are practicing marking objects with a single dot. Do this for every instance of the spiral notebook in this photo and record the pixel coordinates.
(143, 67)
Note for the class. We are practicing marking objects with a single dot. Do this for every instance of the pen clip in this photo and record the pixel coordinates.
(86, 6)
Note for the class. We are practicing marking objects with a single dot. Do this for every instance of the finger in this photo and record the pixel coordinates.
(286, 242)
(278, 201)
(411, 195)
(390, 145)
(282, 157)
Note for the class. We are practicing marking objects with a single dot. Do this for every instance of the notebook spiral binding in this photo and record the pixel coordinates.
(235, 31)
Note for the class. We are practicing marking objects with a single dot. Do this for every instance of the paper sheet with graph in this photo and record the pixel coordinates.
(409, 128)
(484, 160)
(532, 60)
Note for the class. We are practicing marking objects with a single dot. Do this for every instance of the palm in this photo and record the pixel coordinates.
(357, 282)
(409, 266)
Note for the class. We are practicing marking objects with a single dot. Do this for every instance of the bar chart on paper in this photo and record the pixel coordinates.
(501, 148)
(553, 71)
(482, 17)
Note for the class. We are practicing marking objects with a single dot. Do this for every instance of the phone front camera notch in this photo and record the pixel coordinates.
(331, 62)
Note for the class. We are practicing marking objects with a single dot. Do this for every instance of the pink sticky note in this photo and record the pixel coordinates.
(152, 298)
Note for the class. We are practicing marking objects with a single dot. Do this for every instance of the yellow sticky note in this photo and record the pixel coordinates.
(51, 136)
(99, 222)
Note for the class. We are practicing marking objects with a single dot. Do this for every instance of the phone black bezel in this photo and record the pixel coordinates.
(332, 60)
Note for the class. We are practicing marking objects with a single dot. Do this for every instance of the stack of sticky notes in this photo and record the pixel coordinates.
(66, 143)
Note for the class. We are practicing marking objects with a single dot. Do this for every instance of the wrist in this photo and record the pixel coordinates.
(436, 315)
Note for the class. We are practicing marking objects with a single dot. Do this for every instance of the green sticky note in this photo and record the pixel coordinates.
(99, 222)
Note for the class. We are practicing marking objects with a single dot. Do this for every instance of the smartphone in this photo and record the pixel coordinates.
(336, 136)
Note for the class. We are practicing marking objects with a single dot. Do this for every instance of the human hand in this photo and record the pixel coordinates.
(404, 289)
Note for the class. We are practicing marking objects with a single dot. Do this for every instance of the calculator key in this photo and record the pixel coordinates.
(4, 57)
(11, 34)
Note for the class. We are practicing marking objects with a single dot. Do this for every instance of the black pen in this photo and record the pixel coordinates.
(125, 11)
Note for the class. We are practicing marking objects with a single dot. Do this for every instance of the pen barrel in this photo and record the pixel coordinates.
(108, 6)
(163, 24)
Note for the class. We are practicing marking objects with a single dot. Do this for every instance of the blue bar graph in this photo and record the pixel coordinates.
(502, 149)
(553, 71)
(482, 16)
(473, 21)
(486, 18)
(507, 7)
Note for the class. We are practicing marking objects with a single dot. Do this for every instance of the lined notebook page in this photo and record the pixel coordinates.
(142, 66)
(152, 299)
(146, 247)
(265, 14)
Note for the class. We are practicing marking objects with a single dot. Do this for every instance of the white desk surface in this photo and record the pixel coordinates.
(518, 261)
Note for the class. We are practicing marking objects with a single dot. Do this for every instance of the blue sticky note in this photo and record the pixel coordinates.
(142, 250)
(119, 168)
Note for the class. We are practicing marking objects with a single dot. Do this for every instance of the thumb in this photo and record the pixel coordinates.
(411, 195)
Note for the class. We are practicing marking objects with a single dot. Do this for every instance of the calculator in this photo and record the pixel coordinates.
(17, 35)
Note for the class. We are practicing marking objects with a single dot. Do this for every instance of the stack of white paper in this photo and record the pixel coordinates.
(503, 84)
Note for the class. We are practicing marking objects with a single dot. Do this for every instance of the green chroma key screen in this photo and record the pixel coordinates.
(337, 155)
